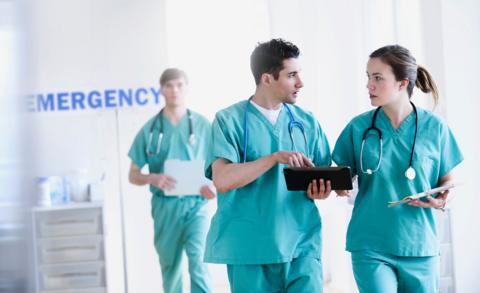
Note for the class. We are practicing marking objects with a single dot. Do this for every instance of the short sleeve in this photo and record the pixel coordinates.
(222, 145)
(322, 155)
(137, 151)
(450, 154)
(344, 152)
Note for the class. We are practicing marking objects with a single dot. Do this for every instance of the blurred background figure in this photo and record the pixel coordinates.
(181, 221)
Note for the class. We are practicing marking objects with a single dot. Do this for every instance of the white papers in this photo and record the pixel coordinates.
(189, 176)
(421, 194)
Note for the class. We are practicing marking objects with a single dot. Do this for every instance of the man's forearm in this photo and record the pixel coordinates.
(228, 176)
(138, 178)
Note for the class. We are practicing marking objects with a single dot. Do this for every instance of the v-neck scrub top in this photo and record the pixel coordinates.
(403, 230)
(175, 143)
(263, 222)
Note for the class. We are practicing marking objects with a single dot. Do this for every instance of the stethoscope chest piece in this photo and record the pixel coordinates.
(410, 173)
(191, 139)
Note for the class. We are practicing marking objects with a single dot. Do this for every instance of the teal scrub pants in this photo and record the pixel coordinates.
(302, 274)
(377, 272)
(181, 223)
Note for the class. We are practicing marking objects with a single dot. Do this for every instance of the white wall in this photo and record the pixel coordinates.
(212, 40)
(87, 45)
(461, 44)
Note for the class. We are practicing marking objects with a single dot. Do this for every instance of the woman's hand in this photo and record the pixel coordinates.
(432, 202)
(346, 193)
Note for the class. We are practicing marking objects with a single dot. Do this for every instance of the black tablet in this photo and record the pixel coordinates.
(298, 178)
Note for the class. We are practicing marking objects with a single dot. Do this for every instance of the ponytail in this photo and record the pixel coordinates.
(426, 84)
(405, 66)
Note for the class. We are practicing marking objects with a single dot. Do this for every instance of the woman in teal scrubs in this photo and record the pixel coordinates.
(396, 150)
(180, 223)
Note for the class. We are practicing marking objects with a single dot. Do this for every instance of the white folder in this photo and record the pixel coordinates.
(422, 194)
(189, 177)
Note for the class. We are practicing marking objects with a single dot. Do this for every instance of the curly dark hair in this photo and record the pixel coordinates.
(268, 57)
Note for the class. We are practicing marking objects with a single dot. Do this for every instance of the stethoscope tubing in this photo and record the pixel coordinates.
(293, 123)
(379, 134)
(159, 118)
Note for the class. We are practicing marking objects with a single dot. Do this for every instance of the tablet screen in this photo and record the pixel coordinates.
(298, 178)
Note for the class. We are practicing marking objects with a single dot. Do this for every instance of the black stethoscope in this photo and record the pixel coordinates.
(410, 172)
(293, 123)
(159, 118)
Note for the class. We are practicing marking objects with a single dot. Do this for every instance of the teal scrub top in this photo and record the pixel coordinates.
(403, 230)
(263, 222)
(175, 143)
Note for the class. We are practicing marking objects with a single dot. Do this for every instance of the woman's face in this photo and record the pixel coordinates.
(383, 88)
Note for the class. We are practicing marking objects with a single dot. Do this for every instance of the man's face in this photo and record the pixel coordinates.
(174, 92)
(288, 84)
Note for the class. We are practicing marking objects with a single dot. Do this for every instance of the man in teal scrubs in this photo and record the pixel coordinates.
(180, 222)
(396, 249)
(269, 237)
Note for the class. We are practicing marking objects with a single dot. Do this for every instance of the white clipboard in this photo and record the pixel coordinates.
(421, 194)
(189, 177)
